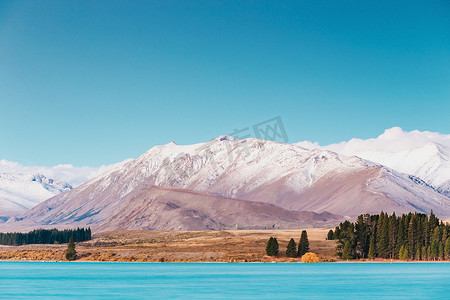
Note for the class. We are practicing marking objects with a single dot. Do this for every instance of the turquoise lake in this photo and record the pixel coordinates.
(54, 280)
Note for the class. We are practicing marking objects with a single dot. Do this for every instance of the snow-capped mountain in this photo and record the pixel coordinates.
(73, 175)
(423, 154)
(20, 192)
(288, 176)
(281, 174)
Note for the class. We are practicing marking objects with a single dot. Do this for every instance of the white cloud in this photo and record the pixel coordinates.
(65, 172)
(392, 140)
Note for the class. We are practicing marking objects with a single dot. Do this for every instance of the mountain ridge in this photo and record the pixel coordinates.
(288, 176)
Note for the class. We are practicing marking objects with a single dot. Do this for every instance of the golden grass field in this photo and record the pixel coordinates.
(178, 246)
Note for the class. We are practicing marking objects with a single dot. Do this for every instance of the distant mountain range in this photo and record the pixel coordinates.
(248, 183)
(20, 192)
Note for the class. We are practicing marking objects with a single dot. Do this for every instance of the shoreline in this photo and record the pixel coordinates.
(231, 246)
(397, 261)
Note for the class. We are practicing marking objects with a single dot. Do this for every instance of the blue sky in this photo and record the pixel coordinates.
(95, 82)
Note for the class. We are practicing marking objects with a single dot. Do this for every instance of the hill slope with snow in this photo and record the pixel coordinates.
(20, 192)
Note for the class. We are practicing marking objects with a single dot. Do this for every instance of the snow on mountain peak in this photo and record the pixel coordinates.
(226, 138)
(249, 163)
(423, 154)
(19, 192)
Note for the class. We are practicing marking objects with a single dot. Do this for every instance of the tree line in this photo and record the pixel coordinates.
(272, 247)
(45, 236)
(413, 236)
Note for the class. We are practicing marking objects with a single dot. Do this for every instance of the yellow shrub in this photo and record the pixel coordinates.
(310, 257)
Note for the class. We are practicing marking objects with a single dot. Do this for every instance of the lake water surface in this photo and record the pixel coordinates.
(47, 280)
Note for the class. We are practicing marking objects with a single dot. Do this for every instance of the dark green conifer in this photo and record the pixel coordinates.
(412, 237)
(372, 247)
(303, 245)
(71, 253)
(420, 232)
(393, 235)
(444, 234)
(378, 239)
(403, 254)
(276, 246)
(436, 235)
(272, 247)
(43, 236)
(433, 221)
(418, 254)
(269, 247)
(330, 235)
(424, 253)
(383, 235)
(337, 233)
(434, 250)
(291, 250)
(447, 249)
(441, 251)
(347, 252)
(427, 232)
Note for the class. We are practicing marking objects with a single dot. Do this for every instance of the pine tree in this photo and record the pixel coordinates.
(434, 250)
(393, 235)
(433, 221)
(269, 246)
(362, 242)
(378, 240)
(275, 246)
(383, 235)
(412, 235)
(347, 252)
(447, 249)
(426, 232)
(444, 234)
(420, 236)
(417, 256)
(43, 236)
(403, 255)
(441, 251)
(291, 250)
(424, 253)
(337, 233)
(71, 254)
(272, 247)
(303, 245)
(372, 247)
(330, 235)
(373, 236)
(436, 235)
